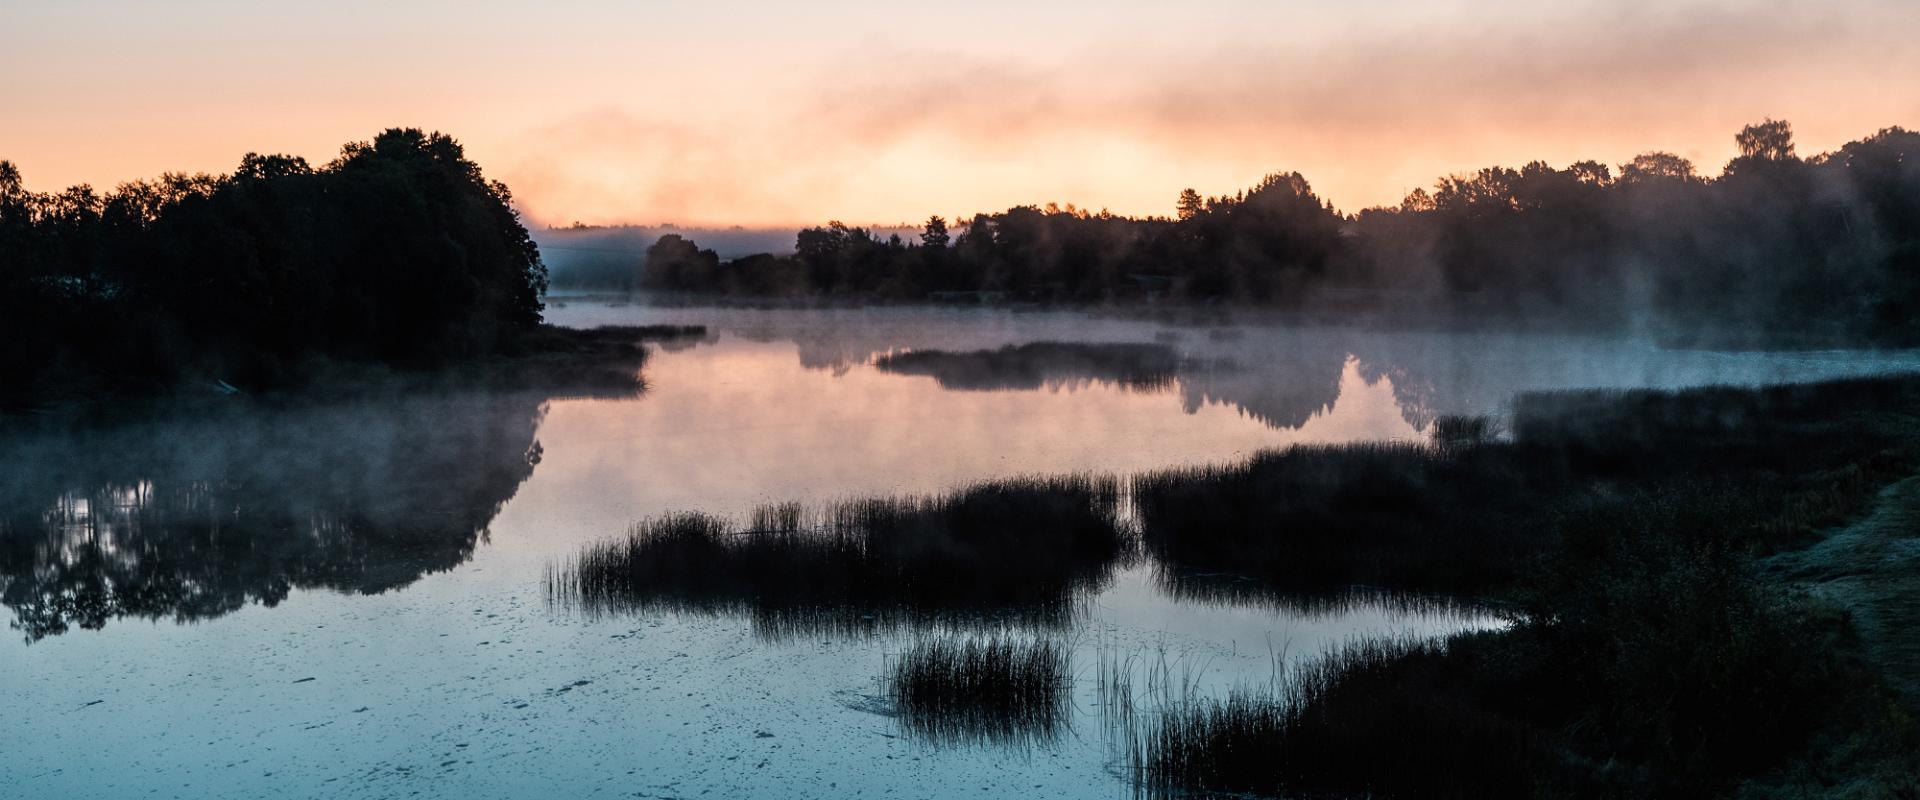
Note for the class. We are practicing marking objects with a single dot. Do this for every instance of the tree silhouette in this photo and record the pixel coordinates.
(676, 262)
(1190, 205)
(935, 233)
(1656, 166)
(398, 251)
(1771, 140)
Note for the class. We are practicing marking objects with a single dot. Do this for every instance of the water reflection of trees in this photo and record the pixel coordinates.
(1140, 367)
(1281, 388)
(1284, 391)
(192, 518)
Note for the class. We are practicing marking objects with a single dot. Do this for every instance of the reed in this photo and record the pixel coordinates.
(1020, 552)
(982, 690)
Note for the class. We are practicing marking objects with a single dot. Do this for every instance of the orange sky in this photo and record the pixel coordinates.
(737, 113)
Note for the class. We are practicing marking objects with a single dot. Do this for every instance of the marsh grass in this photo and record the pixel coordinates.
(996, 690)
(1614, 529)
(1478, 514)
(1460, 431)
(1020, 552)
(1352, 722)
(1320, 519)
(1645, 658)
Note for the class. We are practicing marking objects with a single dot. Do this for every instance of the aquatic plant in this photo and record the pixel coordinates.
(995, 689)
(1340, 724)
(1321, 519)
(1458, 431)
(1474, 520)
(1018, 552)
(1645, 658)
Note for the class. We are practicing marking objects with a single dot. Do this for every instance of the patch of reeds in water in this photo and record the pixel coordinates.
(1463, 431)
(1320, 519)
(1348, 723)
(991, 690)
(1018, 552)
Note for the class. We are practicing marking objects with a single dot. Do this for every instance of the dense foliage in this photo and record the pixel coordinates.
(398, 251)
(1649, 654)
(1777, 249)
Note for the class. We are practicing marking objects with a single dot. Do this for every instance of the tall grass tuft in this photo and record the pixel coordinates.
(1021, 552)
(1349, 723)
(1320, 519)
(982, 690)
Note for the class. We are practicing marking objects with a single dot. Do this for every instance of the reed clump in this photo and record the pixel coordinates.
(1019, 552)
(1478, 515)
(995, 689)
(1356, 721)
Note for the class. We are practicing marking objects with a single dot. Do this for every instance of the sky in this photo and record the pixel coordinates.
(780, 114)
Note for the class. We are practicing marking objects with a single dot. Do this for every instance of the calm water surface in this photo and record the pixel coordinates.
(349, 600)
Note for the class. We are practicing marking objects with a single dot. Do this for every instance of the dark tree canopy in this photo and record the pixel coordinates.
(398, 251)
(1777, 250)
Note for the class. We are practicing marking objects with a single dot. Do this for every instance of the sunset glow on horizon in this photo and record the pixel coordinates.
(876, 113)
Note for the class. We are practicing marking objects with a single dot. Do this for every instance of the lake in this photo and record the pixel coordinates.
(355, 598)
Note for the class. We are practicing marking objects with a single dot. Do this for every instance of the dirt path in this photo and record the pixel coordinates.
(1872, 568)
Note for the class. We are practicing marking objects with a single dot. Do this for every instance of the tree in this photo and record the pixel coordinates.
(260, 168)
(10, 184)
(935, 234)
(1658, 165)
(1190, 204)
(1769, 140)
(1592, 173)
(675, 262)
(820, 246)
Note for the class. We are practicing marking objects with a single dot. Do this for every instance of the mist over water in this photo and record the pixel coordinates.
(279, 599)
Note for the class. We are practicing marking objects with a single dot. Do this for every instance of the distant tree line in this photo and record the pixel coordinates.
(1776, 249)
(399, 251)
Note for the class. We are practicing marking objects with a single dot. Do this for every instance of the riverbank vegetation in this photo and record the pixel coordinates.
(1474, 515)
(399, 252)
(1617, 532)
(1775, 250)
(1016, 552)
(1647, 656)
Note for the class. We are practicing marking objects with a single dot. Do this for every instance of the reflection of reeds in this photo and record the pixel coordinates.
(1232, 589)
(1132, 690)
(1457, 432)
(1019, 552)
(992, 690)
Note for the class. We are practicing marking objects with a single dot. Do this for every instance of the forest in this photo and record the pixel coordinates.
(1777, 250)
(401, 252)
(398, 252)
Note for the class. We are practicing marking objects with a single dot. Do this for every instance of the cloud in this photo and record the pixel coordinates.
(894, 129)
